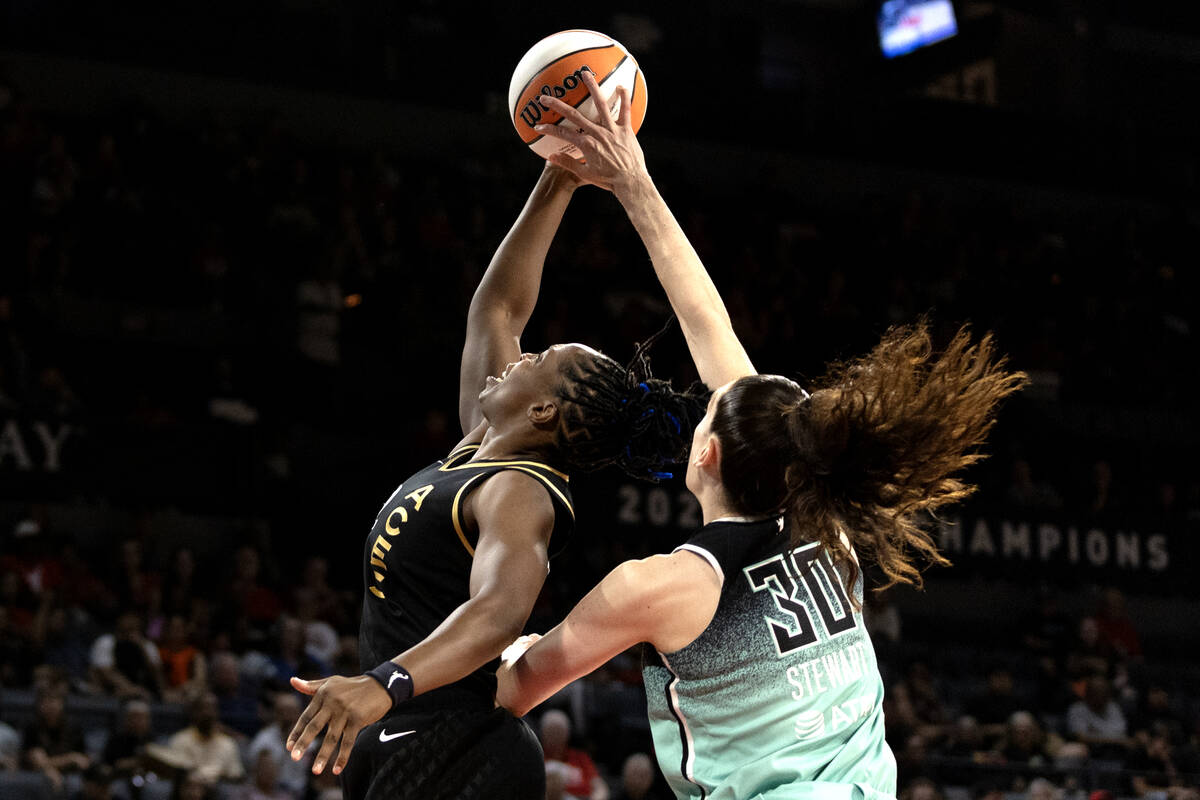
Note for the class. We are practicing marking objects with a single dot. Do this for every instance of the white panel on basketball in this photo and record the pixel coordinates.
(622, 76)
(548, 50)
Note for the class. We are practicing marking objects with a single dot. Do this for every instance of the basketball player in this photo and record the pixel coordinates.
(459, 552)
(765, 683)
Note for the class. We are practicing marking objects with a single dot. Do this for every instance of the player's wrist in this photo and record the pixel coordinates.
(634, 190)
(394, 679)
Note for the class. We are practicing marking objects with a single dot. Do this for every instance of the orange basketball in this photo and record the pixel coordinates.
(553, 67)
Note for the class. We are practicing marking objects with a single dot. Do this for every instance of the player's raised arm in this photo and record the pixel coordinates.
(508, 291)
(614, 161)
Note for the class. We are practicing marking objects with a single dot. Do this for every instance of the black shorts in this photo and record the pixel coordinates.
(456, 753)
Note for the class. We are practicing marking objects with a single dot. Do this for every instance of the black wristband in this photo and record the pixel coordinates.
(394, 679)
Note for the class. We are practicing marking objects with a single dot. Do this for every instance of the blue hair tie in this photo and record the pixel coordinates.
(662, 476)
(645, 388)
(675, 422)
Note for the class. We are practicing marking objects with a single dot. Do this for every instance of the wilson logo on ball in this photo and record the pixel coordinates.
(554, 66)
(531, 114)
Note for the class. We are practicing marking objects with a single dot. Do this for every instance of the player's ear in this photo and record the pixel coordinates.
(543, 414)
(708, 457)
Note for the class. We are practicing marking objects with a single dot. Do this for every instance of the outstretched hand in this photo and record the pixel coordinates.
(341, 707)
(613, 156)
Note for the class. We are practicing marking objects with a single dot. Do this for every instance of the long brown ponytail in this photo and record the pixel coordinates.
(882, 439)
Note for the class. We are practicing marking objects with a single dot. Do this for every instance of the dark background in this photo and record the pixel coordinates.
(189, 190)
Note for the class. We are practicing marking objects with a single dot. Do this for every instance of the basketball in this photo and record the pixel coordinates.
(553, 67)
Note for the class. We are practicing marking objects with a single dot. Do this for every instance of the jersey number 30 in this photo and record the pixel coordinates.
(778, 575)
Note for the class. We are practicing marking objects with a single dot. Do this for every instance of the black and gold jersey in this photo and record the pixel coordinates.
(417, 560)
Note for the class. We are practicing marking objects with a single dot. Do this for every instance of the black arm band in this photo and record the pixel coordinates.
(395, 679)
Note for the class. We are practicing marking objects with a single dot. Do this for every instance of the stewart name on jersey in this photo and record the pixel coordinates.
(417, 560)
(781, 695)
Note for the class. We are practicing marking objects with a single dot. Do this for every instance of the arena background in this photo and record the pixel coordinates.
(237, 243)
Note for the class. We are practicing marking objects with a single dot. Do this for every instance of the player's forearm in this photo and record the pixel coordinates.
(715, 348)
(469, 638)
(514, 275)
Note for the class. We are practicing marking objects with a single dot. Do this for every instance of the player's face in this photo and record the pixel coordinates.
(534, 378)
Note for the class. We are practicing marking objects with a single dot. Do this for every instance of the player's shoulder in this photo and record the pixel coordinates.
(509, 489)
(729, 542)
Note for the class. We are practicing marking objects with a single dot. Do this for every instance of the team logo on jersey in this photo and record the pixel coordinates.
(814, 723)
(810, 725)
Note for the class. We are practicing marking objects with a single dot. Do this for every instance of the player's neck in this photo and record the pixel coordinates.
(714, 504)
(498, 444)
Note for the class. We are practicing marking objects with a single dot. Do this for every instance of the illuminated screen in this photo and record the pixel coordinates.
(905, 25)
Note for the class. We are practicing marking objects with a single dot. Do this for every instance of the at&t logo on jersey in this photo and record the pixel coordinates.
(814, 724)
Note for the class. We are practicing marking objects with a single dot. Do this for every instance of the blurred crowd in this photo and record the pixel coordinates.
(167, 281)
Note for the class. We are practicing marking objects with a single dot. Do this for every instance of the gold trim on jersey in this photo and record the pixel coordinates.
(462, 537)
(550, 486)
(446, 467)
(454, 454)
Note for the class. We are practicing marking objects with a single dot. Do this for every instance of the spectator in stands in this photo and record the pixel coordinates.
(202, 749)
(52, 745)
(965, 750)
(1087, 655)
(185, 673)
(638, 774)
(10, 747)
(182, 586)
(125, 663)
(257, 603)
(556, 781)
(137, 587)
(1047, 631)
(987, 789)
(921, 789)
(97, 783)
(996, 704)
(237, 698)
(15, 650)
(1042, 789)
(125, 746)
(293, 657)
(320, 638)
(192, 786)
(582, 778)
(921, 691)
(1154, 771)
(264, 782)
(1025, 743)
(1097, 721)
(271, 741)
(1117, 633)
(1157, 709)
(327, 604)
(912, 760)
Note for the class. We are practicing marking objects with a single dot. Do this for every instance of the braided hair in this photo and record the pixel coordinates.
(622, 415)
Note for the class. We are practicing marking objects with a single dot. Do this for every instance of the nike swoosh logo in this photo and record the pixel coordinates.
(384, 736)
